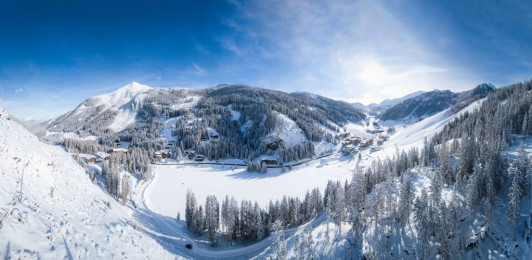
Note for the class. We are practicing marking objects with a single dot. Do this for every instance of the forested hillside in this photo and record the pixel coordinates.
(466, 193)
(244, 120)
(430, 103)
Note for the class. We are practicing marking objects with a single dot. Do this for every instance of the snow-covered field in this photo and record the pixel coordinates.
(166, 193)
(49, 208)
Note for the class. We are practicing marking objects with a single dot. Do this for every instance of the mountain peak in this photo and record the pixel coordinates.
(484, 88)
(134, 87)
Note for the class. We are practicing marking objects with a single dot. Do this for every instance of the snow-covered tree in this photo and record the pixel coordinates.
(304, 246)
(445, 165)
(467, 156)
(279, 250)
(514, 197)
(212, 217)
(191, 208)
(522, 166)
(407, 197)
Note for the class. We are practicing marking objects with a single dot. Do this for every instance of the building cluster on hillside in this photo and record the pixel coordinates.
(352, 144)
(99, 157)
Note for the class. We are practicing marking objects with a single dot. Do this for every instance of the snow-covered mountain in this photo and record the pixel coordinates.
(419, 106)
(376, 108)
(427, 104)
(387, 103)
(49, 208)
(115, 111)
(237, 115)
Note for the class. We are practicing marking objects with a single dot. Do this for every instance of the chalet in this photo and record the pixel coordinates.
(343, 135)
(162, 155)
(199, 158)
(91, 159)
(101, 156)
(374, 131)
(366, 143)
(269, 161)
(190, 155)
(121, 150)
(351, 141)
(349, 150)
(384, 137)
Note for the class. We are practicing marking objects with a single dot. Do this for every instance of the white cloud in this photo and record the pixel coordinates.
(18, 90)
(344, 49)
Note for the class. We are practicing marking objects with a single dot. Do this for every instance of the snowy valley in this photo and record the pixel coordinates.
(236, 172)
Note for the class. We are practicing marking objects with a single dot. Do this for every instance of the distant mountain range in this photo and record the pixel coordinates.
(261, 121)
(418, 105)
(255, 119)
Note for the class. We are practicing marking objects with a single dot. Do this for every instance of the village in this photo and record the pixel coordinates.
(352, 144)
(369, 136)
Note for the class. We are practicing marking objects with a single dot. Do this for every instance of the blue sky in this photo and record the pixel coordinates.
(55, 54)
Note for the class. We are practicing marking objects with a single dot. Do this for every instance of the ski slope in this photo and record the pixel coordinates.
(414, 135)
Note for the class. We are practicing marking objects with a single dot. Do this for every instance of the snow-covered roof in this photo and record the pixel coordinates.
(102, 155)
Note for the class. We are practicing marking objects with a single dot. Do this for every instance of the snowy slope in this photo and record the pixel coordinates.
(50, 209)
(116, 110)
(413, 135)
(287, 130)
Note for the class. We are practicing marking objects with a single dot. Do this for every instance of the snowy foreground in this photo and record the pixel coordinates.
(49, 208)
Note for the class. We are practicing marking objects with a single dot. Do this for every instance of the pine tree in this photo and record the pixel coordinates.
(407, 196)
(212, 217)
(279, 243)
(435, 189)
(422, 224)
(524, 128)
(232, 219)
(522, 164)
(191, 208)
(125, 188)
(513, 203)
(467, 156)
(304, 245)
(445, 165)
(198, 221)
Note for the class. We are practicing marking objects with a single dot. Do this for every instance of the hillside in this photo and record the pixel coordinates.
(50, 209)
(420, 106)
(427, 104)
(239, 116)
